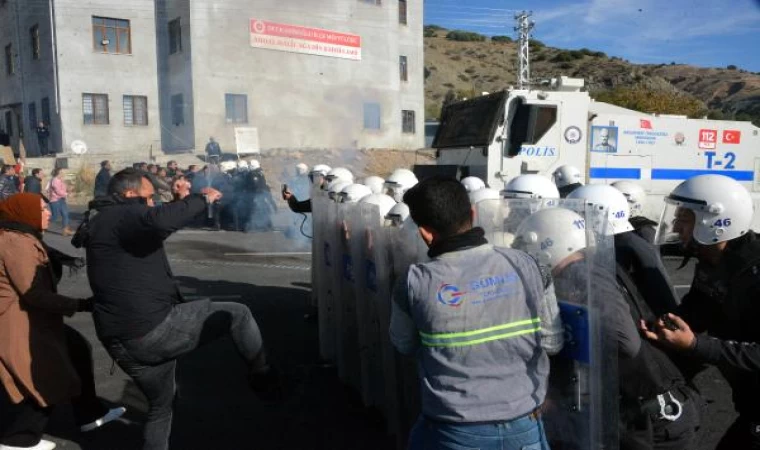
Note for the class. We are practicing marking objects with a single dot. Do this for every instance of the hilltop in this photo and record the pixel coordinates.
(467, 68)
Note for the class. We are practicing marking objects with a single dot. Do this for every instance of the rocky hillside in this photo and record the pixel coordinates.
(469, 68)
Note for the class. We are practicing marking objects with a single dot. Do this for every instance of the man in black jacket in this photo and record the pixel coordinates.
(8, 182)
(140, 316)
(103, 178)
(33, 182)
(711, 215)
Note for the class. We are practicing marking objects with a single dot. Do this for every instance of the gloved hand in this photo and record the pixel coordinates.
(86, 304)
(267, 384)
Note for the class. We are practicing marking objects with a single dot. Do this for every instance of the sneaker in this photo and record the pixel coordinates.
(111, 415)
(43, 445)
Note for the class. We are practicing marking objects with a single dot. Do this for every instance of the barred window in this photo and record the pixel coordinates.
(403, 68)
(402, 12)
(95, 109)
(34, 33)
(407, 122)
(135, 110)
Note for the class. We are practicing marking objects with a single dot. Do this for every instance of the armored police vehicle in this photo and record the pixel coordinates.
(499, 136)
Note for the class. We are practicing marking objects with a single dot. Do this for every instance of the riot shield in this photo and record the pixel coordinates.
(347, 350)
(373, 291)
(581, 407)
(406, 248)
(324, 211)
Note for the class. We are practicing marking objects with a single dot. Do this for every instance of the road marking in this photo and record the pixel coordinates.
(203, 262)
(682, 286)
(272, 254)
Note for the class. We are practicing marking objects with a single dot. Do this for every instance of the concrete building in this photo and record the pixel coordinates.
(141, 76)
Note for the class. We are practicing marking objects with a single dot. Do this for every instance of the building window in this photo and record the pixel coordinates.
(45, 110)
(34, 33)
(403, 68)
(371, 116)
(178, 109)
(111, 36)
(237, 108)
(9, 123)
(402, 12)
(95, 109)
(135, 110)
(373, 2)
(10, 68)
(175, 36)
(407, 122)
(32, 116)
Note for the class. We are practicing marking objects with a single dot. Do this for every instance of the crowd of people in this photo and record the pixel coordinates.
(479, 388)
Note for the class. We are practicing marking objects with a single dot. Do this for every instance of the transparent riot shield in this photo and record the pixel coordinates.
(373, 290)
(347, 347)
(581, 407)
(406, 248)
(324, 211)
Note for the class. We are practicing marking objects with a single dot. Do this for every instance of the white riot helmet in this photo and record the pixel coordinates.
(320, 170)
(353, 193)
(530, 186)
(334, 187)
(375, 184)
(472, 184)
(484, 194)
(382, 201)
(254, 164)
(604, 196)
(635, 195)
(227, 166)
(551, 235)
(302, 169)
(723, 209)
(566, 175)
(398, 215)
(400, 181)
(242, 164)
(340, 173)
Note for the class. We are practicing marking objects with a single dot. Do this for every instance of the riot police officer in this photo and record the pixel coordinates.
(711, 216)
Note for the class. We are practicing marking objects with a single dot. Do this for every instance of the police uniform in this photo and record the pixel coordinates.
(723, 301)
(564, 191)
(658, 410)
(644, 227)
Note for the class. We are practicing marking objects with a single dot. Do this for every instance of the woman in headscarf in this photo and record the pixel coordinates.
(43, 362)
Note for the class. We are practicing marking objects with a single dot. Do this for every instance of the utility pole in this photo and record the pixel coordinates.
(523, 29)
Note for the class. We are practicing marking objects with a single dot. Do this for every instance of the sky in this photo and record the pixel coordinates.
(706, 33)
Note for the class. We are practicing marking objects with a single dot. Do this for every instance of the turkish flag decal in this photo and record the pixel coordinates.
(732, 136)
(644, 123)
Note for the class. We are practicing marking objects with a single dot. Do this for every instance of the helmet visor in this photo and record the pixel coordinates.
(676, 224)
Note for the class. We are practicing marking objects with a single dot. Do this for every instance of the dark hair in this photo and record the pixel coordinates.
(440, 203)
(36, 171)
(57, 171)
(104, 163)
(136, 165)
(126, 180)
(7, 168)
(171, 162)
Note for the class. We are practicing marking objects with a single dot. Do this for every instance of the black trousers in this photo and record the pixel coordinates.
(743, 434)
(28, 420)
(645, 433)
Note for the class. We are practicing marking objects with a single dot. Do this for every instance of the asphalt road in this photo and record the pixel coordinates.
(214, 407)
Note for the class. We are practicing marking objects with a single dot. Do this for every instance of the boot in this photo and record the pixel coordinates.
(67, 232)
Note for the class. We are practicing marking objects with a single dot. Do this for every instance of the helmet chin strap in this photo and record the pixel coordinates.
(690, 251)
